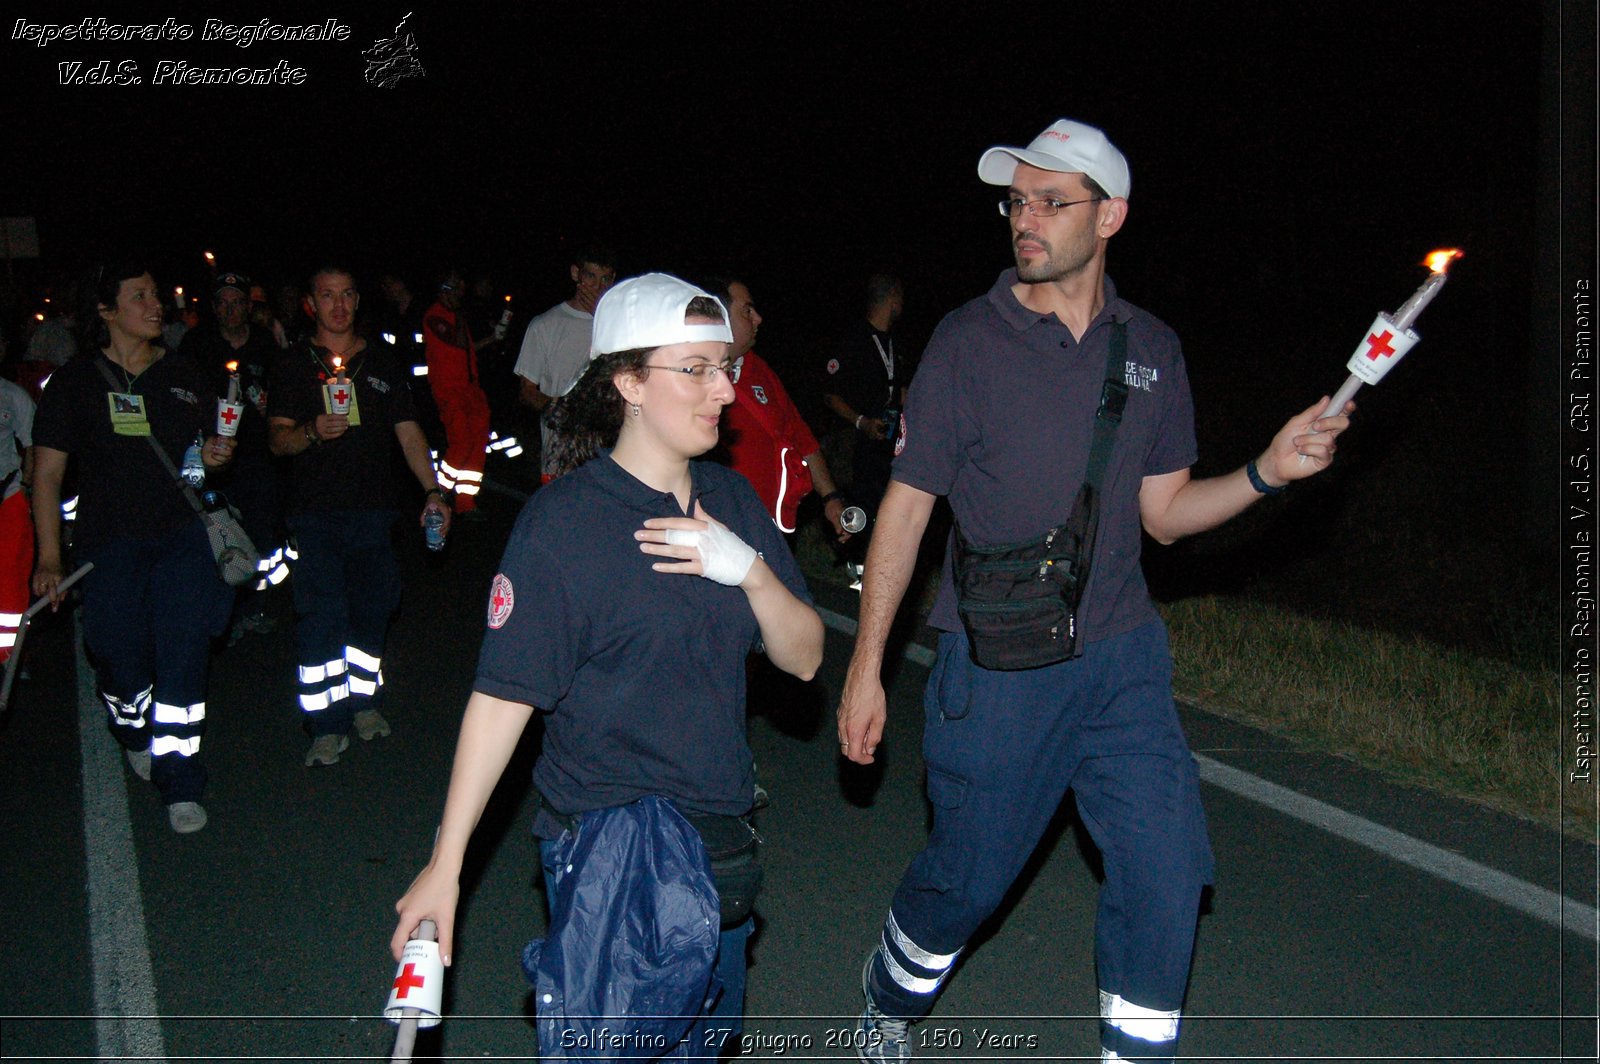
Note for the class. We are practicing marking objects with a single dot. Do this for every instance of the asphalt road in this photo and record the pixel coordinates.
(265, 935)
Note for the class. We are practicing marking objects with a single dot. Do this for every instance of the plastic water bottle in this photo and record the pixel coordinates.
(433, 529)
(193, 469)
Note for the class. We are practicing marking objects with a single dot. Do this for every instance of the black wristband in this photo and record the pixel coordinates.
(1260, 485)
(832, 495)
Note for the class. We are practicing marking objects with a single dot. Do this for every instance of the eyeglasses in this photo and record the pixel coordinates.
(1040, 208)
(701, 372)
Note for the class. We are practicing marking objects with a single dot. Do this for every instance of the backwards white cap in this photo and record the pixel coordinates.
(649, 311)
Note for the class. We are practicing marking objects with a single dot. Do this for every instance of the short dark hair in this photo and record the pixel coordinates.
(597, 254)
(331, 266)
(100, 289)
(720, 285)
(880, 286)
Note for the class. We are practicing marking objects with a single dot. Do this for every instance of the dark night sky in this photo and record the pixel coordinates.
(1290, 167)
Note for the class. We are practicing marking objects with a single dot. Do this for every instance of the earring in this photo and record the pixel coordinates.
(633, 408)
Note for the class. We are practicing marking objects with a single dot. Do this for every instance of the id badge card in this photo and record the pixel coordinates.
(128, 416)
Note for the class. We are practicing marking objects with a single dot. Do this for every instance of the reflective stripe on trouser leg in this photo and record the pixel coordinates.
(128, 714)
(16, 563)
(910, 969)
(322, 685)
(366, 674)
(1133, 1032)
(176, 730)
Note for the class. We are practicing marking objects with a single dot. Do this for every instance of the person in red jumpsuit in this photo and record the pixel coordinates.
(453, 375)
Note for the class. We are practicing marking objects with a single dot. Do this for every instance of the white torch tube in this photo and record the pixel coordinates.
(405, 1038)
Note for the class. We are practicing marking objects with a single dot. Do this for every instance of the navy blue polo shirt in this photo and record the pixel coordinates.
(642, 672)
(1000, 417)
(352, 471)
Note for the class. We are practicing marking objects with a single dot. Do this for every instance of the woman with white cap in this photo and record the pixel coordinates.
(629, 595)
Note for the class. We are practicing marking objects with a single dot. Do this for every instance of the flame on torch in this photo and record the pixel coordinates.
(233, 367)
(1439, 261)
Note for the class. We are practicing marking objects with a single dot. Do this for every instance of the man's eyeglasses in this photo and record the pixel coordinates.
(701, 372)
(1040, 208)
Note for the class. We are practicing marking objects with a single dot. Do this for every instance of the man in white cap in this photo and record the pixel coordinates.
(1048, 383)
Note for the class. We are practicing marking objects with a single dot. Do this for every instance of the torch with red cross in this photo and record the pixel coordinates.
(339, 389)
(1390, 335)
(230, 410)
(417, 994)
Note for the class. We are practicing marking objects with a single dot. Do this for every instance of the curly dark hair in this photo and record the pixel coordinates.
(589, 417)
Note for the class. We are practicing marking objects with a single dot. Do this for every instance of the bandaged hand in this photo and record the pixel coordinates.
(701, 545)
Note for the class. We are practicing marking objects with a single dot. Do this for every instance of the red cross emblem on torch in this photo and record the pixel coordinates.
(407, 981)
(1378, 345)
(341, 396)
(228, 415)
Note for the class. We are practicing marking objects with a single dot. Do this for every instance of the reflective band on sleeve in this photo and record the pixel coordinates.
(470, 474)
(465, 490)
(166, 714)
(1147, 1025)
(915, 953)
(7, 640)
(10, 620)
(358, 686)
(171, 744)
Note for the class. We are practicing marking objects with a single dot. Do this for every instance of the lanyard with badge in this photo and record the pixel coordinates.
(129, 415)
(886, 357)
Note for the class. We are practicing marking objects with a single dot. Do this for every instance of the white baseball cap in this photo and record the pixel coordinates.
(1066, 147)
(649, 311)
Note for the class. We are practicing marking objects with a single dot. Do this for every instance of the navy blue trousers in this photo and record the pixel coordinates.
(150, 609)
(346, 588)
(1002, 749)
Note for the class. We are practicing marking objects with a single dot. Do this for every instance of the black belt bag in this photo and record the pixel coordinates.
(1019, 601)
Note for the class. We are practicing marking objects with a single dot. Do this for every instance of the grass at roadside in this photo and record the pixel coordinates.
(1472, 726)
(1419, 712)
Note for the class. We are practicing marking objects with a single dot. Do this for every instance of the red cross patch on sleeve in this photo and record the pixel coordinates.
(501, 600)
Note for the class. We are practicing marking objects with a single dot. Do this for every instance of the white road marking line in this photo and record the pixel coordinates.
(124, 980)
(1544, 905)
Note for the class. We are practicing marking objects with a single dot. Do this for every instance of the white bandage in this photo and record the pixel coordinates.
(724, 557)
